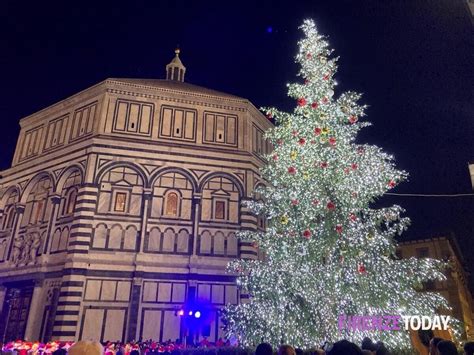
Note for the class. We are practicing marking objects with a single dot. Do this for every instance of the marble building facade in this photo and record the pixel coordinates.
(121, 205)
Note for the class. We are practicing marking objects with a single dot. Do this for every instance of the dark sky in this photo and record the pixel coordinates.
(412, 59)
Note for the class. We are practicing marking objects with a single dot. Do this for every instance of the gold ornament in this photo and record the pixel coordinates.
(323, 59)
(293, 155)
(346, 109)
(305, 176)
(325, 130)
(284, 220)
(323, 116)
(322, 140)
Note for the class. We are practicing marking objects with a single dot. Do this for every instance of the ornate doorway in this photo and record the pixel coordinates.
(15, 312)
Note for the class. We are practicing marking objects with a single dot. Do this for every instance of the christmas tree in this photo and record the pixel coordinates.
(327, 250)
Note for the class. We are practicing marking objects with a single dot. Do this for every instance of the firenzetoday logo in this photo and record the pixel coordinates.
(392, 322)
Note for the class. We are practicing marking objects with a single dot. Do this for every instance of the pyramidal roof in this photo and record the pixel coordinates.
(175, 71)
(174, 85)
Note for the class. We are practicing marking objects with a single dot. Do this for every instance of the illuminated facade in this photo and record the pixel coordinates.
(455, 289)
(121, 205)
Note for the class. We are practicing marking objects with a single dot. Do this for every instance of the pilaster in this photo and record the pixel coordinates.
(35, 313)
(20, 210)
(55, 200)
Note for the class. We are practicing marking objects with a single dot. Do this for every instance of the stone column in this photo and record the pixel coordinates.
(196, 217)
(3, 293)
(20, 209)
(33, 324)
(134, 316)
(247, 250)
(81, 229)
(147, 196)
(55, 200)
(248, 222)
(67, 317)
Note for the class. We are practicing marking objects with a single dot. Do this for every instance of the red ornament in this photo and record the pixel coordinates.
(338, 229)
(346, 170)
(280, 141)
(306, 81)
(309, 55)
(326, 77)
(332, 141)
(317, 131)
(292, 170)
(360, 150)
(275, 157)
(313, 142)
(361, 269)
(269, 115)
(391, 184)
(323, 165)
(301, 101)
(314, 105)
(325, 100)
(353, 217)
(353, 119)
(354, 194)
(307, 234)
(302, 141)
(330, 206)
(255, 244)
(295, 202)
(294, 133)
(315, 202)
(354, 166)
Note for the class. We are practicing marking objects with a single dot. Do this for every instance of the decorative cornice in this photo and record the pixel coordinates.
(179, 100)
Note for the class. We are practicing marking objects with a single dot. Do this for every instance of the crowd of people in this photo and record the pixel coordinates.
(437, 346)
(148, 347)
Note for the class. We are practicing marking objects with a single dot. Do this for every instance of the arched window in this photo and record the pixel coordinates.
(70, 202)
(38, 205)
(171, 205)
(10, 215)
(38, 214)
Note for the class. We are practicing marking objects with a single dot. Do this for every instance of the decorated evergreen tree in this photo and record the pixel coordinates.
(327, 251)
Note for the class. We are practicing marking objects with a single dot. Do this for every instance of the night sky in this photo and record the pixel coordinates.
(413, 60)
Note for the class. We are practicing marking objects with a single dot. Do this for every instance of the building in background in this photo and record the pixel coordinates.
(455, 289)
(471, 170)
(121, 207)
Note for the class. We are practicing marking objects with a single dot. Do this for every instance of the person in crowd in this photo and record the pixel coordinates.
(433, 346)
(380, 349)
(264, 349)
(204, 343)
(368, 346)
(447, 347)
(469, 348)
(345, 347)
(86, 348)
(286, 350)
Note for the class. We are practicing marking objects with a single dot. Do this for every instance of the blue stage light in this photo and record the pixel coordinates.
(197, 314)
